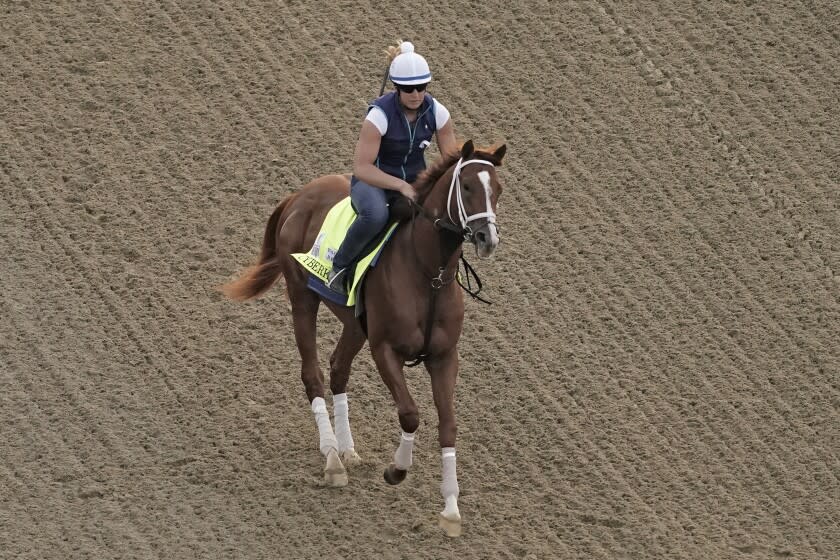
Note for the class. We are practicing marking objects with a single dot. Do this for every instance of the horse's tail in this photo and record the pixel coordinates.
(256, 280)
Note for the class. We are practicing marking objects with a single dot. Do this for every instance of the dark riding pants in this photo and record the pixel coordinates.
(371, 205)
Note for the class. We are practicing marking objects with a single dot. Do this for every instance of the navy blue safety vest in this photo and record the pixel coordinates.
(402, 148)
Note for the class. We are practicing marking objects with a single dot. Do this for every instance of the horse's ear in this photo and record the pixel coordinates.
(500, 152)
(467, 149)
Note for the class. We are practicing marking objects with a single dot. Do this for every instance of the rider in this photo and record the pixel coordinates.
(390, 153)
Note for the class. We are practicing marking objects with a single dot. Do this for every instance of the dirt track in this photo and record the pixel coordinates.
(659, 376)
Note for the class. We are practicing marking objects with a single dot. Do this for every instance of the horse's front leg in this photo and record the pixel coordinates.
(390, 367)
(443, 371)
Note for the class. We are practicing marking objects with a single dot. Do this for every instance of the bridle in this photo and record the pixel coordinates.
(463, 218)
(461, 228)
(464, 233)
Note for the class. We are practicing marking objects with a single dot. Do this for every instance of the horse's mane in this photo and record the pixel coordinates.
(427, 179)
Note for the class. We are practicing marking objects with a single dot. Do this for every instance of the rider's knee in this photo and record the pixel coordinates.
(375, 214)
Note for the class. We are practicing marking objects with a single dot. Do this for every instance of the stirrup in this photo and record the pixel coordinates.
(336, 281)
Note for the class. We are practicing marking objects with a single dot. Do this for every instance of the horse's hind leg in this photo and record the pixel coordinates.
(305, 315)
(351, 341)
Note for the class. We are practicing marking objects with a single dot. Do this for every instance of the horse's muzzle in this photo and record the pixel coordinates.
(486, 239)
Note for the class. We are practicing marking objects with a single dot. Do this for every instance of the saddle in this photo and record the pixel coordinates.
(318, 261)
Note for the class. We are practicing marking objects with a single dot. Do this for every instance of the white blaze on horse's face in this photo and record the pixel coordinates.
(487, 236)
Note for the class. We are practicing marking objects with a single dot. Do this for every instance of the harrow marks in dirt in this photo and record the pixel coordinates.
(657, 377)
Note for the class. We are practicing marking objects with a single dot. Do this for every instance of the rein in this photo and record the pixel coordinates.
(463, 233)
(466, 233)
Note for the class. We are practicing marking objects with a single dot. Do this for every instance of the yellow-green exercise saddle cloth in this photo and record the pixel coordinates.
(318, 261)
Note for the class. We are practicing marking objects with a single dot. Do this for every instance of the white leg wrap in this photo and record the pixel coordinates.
(449, 482)
(342, 422)
(325, 431)
(402, 457)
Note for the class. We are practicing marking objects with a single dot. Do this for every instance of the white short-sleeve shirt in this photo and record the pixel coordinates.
(377, 116)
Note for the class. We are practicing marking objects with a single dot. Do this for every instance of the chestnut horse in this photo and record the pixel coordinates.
(413, 308)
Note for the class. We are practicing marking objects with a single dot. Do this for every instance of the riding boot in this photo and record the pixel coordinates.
(337, 280)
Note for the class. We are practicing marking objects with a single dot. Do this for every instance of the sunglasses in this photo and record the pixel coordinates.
(411, 88)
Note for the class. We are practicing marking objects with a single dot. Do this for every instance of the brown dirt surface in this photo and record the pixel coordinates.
(659, 376)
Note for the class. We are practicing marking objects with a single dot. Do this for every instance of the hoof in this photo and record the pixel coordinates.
(350, 458)
(452, 527)
(393, 475)
(335, 473)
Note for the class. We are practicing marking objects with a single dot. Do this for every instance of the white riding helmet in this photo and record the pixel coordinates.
(409, 68)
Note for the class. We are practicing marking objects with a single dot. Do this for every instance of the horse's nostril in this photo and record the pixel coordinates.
(481, 236)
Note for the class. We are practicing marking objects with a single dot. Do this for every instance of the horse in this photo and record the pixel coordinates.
(414, 309)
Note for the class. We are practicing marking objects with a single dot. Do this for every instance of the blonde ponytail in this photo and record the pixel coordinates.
(393, 51)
